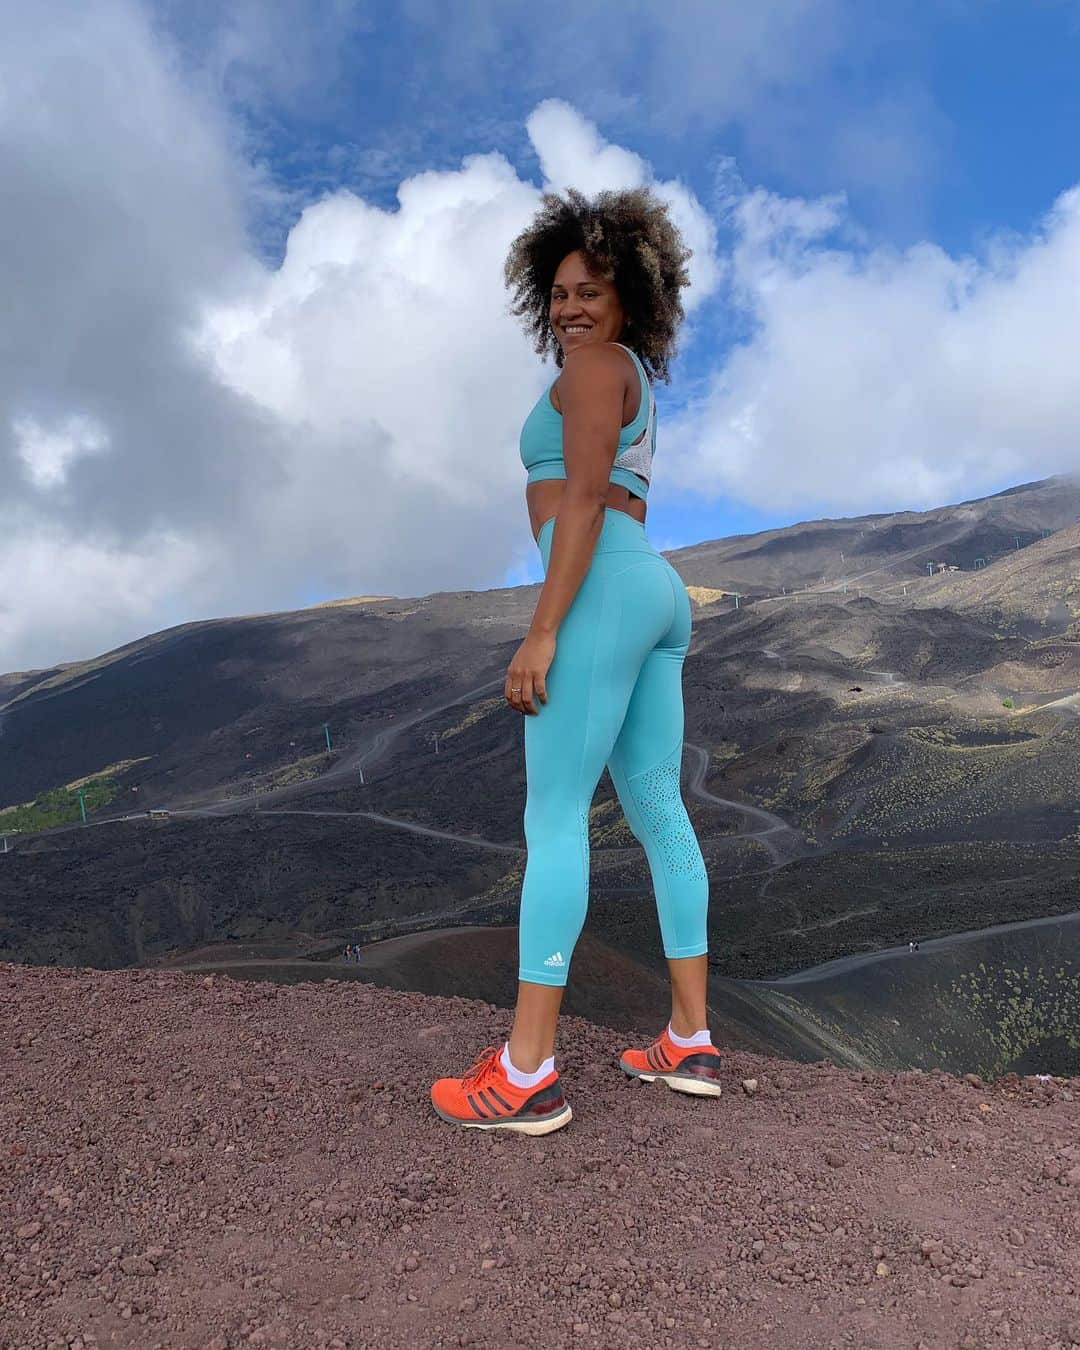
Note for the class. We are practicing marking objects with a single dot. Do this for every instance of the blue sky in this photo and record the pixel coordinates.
(979, 102)
(251, 255)
(975, 109)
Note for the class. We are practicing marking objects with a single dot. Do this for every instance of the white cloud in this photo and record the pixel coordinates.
(62, 590)
(346, 423)
(383, 347)
(573, 154)
(186, 432)
(47, 453)
(874, 378)
(122, 207)
(387, 331)
(382, 344)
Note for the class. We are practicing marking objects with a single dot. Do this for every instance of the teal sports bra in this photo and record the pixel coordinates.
(542, 448)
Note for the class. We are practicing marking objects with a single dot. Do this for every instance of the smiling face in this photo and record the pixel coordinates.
(584, 308)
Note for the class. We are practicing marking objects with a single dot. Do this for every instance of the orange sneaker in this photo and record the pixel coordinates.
(485, 1099)
(695, 1069)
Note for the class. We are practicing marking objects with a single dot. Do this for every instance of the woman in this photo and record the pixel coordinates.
(599, 675)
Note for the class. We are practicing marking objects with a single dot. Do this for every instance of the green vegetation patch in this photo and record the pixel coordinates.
(1020, 1009)
(60, 805)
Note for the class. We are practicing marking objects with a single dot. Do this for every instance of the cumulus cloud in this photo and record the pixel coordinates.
(383, 346)
(369, 306)
(188, 431)
(573, 154)
(874, 378)
(122, 206)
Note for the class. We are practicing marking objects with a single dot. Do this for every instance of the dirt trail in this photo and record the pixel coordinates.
(780, 840)
(197, 1162)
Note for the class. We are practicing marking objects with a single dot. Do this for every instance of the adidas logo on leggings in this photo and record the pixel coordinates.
(555, 960)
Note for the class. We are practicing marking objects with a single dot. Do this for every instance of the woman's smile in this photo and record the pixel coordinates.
(583, 308)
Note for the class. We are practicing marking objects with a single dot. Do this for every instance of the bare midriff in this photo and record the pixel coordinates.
(544, 498)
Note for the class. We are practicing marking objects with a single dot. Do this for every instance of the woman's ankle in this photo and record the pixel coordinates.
(527, 1059)
(685, 1026)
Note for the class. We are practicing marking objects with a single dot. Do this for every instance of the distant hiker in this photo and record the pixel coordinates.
(597, 286)
(916, 946)
(911, 946)
(348, 953)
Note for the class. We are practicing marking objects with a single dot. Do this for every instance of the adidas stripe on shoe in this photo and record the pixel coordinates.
(696, 1070)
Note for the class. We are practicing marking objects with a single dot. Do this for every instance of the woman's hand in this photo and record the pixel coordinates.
(526, 676)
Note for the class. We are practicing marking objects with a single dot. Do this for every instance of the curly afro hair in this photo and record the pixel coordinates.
(626, 237)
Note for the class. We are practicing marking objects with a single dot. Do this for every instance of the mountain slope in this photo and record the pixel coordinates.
(1031, 589)
(853, 730)
(881, 550)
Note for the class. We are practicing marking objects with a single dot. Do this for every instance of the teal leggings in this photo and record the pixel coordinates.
(614, 698)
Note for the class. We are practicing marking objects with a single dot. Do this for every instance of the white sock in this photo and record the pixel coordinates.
(524, 1080)
(698, 1038)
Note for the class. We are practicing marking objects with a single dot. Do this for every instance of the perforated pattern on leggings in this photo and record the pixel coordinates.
(656, 792)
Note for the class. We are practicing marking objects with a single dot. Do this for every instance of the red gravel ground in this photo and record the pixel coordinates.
(198, 1162)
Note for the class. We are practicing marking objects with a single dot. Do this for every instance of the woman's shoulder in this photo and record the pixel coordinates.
(591, 364)
(595, 360)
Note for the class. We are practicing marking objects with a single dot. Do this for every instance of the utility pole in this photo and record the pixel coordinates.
(326, 728)
(436, 739)
(81, 794)
(736, 595)
(1017, 541)
(361, 768)
(930, 569)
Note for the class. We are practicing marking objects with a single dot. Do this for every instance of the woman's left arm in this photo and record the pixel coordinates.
(591, 390)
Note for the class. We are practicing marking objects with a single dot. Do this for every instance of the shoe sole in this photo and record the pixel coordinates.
(691, 1084)
(530, 1127)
